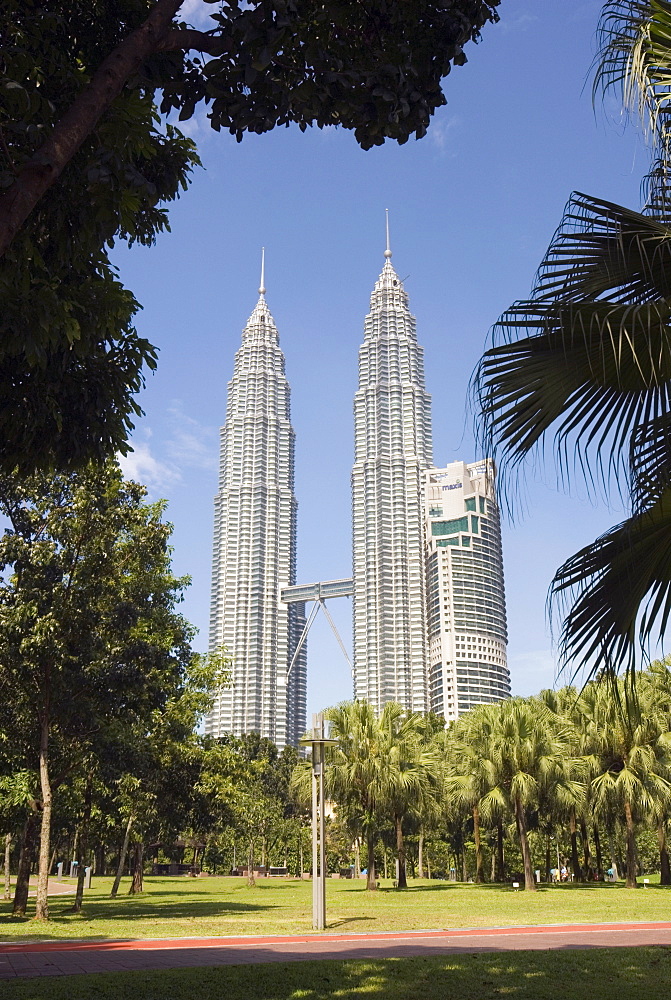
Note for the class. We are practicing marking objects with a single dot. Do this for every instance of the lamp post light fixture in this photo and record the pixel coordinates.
(317, 738)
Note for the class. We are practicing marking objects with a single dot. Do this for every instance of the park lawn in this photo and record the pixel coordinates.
(600, 974)
(179, 907)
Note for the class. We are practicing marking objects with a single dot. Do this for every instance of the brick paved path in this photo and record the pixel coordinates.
(60, 958)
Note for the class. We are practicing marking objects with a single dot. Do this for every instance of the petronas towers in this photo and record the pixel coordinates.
(392, 448)
(255, 546)
(421, 649)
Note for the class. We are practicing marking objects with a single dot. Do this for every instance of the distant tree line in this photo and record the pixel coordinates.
(569, 779)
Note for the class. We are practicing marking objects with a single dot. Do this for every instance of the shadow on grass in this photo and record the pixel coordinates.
(507, 887)
(640, 974)
(347, 920)
(134, 908)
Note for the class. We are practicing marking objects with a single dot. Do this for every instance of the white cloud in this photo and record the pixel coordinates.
(197, 127)
(441, 133)
(519, 23)
(197, 13)
(143, 467)
(191, 444)
(186, 444)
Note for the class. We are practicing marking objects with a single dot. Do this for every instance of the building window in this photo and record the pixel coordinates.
(483, 505)
(449, 527)
(470, 503)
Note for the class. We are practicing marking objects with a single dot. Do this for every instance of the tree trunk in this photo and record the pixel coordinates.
(575, 860)
(597, 851)
(613, 859)
(587, 854)
(251, 881)
(400, 853)
(136, 884)
(479, 874)
(84, 843)
(26, 855)
(122, 856)
(82, 117)
(548, 858)
(42, 898)
(300, 852)
(420, 853)
(357, 858)
(500, 858)
(521, 822)
(384, 862)
(664, 866)
(8, 857)
(371, 882)
(100, 859)
(631, 847)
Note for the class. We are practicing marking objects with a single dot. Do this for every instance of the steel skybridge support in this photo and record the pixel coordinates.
(319, 593)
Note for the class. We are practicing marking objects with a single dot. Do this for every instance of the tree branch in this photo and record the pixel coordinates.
(191, 38)
(47, 164)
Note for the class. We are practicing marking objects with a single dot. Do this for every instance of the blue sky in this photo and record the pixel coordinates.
(472, 208)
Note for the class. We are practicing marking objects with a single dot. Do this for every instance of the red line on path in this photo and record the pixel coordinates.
(155, 944)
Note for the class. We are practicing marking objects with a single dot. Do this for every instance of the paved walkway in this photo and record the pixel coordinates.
(63, 957)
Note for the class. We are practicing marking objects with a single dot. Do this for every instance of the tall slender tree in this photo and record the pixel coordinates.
(631, 742)
(88, 627)
(411, 773)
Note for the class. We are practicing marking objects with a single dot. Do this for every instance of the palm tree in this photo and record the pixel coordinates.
(659, 679)
(411, 772)
(356, 773)
(470, 771)
(531, 755)
(587, 358)
(565, 704)
(631, 742)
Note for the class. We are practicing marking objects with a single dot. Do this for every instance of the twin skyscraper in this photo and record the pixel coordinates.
(427, 582)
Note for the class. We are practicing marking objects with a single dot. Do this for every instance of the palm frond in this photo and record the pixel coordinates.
(656, 186)
(589, 356)
(635, 57)
(650, 461)
(620, 589)
(602, 250)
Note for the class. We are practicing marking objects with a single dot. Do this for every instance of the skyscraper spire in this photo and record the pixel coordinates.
(254, 553)
(262, 286)
(392, 426)
(387, 252)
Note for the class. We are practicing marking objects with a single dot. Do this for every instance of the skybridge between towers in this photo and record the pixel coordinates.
(318, 593)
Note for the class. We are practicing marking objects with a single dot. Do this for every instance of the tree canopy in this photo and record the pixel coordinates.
(94, 657)
(87, 158)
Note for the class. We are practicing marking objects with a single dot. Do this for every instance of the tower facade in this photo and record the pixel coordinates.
(392, 431)
(466, 597)
(255, 547)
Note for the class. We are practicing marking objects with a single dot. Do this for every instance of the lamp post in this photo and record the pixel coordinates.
(317, 738)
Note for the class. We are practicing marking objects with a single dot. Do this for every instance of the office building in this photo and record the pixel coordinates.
(465, 588)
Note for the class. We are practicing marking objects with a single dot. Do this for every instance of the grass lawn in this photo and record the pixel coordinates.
(178, 907)
(601, 974)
